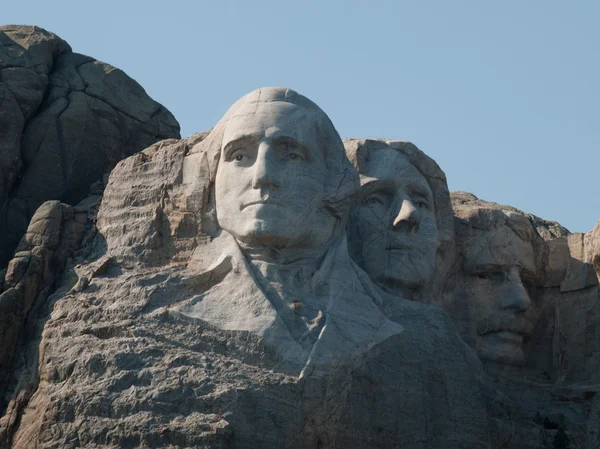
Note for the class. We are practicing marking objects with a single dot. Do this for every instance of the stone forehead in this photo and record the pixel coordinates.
(276, 108)
(327, 137)
(250, 103)
(488, 219)
(358, 150)
(497, 246)
(300, 110)
(274, 116)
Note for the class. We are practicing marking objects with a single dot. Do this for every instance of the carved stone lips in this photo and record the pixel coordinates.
(399, 243)
(261, 202)
(508, 336)
(398, 247)
(500, 324)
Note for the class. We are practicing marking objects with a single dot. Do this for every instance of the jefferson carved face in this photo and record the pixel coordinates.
(492, 306)
(271, 178)
(396, 222)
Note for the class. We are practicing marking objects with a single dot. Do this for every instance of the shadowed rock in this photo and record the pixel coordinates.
(65, 120)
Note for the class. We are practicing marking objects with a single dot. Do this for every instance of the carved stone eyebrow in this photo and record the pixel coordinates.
(294, 143)
(243, 139)
(419, 189)
(377, 185)
(527, 274)
(486, 268)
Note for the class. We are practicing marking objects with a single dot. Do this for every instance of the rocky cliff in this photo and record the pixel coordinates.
(66, 119)
(115, 287)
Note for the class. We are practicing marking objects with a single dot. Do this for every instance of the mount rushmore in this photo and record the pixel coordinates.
(267, 283)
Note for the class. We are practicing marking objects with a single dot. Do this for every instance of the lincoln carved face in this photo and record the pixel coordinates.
(271, 178)
(396, 221)
(492, 306)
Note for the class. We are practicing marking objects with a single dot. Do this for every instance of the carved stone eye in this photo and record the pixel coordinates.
(491, 276)
(239, 157)
(293, 156)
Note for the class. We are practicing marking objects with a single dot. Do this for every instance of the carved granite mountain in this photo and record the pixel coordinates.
(114, 359)
(209, 293)
(115, 370)
(65, 120)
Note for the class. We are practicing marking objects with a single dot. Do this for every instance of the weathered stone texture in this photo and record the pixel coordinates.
(203, 294)
(65, 120)
(402, 236)
(119, 366)
(545, 228)
(554, 288)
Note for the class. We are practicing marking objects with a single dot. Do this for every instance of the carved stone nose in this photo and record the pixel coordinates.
(408, 217)
(264, 172)
(514, 294)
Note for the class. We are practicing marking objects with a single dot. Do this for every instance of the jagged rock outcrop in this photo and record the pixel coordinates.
(65, 120)
(545, 228)
(592, 248)
(51, 240)
(31, 272)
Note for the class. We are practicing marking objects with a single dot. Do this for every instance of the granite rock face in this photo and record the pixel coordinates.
(134, 350)
(525, 296)
(551, 294)
(498, 253)
(65, 120)
(266, 284)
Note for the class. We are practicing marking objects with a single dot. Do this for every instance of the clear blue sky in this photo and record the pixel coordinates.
(504, 95)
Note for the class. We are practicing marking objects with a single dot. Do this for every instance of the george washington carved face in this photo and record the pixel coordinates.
(282, 173)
